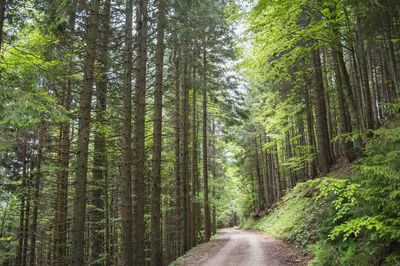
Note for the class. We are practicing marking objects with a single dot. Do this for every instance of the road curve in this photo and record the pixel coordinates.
(237, 247)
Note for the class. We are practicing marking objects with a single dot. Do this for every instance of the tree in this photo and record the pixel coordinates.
(156, 244)
(3, 5)
(207, 217)
(79, 208)
(139, 132)
(126, 189)
(100, 149)
(325, 159)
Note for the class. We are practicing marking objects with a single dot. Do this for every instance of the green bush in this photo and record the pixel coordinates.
(248, 224)
(362, 223)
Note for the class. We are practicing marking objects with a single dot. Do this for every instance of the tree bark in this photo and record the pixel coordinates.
(61, 201)
(260, 186)
(194, 163)
(100, 149)
(21, 230)
(126, 169)
(178, 203)
(139, 133)
(156, 244)
(207, 217)
(361, 58)
(277, 176)
(372, 72)
(27, 216)
(3, 4)
(265, 175)
(79, 206)
(356, 80)
(61, 204)
(268, 166)
(36, 196)
(185, 157)
(345, 125)
(325, 159)
(310, 131)
(348, 92)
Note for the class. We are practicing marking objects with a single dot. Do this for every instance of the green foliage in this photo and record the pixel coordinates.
(345, 253)
(325, 254)
(24, 98)
(343, 192)
(363, 218)
(248, 224)
(294, 219)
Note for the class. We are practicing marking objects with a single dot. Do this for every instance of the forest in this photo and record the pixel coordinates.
(133, 131)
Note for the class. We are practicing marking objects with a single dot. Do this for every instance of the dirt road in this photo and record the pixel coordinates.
(236, 247)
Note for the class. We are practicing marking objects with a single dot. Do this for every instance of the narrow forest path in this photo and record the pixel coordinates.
(237, 247)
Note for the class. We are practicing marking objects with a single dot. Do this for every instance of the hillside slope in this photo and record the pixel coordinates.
(350, 217)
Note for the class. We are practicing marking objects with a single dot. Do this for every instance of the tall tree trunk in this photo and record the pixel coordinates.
(126, 182)
(178, 215)
(107, 216)
(310, 131)
(139, 133)
(392, 62)
(374, 89)
(61, 208)
(345, 125)
(260, 186)
(169, 228)
(387, 82)
(356, 80)
(214, 220)
(36, 198)
(265, 175)
(268, 166)
(361, 56)
(252, 182)
(291, 177)
(3, 4)
(21, 230)
(207, 217)
(302, 143)
(348, 91)
(277, 176)
(320, 114)
(194, 162)
(61, 201)
(99, 153)
(27, 215)
(185, 157)
(79, 206)
(214, 175)
(156, 244)
(328, 104)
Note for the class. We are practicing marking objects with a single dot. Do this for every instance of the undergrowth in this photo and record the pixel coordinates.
(346, 221)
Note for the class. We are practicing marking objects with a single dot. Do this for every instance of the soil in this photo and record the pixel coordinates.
(237, 247)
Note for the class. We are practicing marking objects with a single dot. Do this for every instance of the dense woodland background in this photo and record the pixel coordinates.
(131, 130)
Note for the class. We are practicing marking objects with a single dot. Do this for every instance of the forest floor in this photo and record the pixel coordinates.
(238, 247)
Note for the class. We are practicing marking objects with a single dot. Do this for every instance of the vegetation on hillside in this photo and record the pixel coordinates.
(346, 220)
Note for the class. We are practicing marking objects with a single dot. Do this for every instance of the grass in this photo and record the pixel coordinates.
(293, 220)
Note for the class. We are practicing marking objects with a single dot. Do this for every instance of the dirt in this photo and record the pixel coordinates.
(342, 168)
(237, 247)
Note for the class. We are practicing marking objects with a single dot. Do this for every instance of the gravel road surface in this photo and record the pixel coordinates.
(237, 247)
